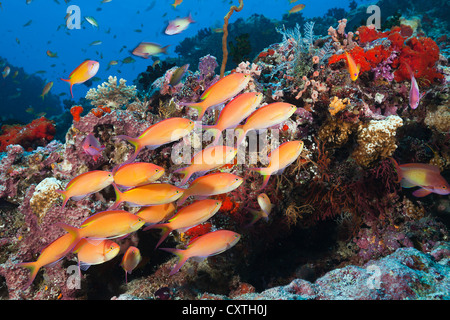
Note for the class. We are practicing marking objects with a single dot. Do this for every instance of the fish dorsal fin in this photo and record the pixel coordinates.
(424, 166)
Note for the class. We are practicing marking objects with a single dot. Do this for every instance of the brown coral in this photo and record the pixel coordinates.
(336, 132)
(376, 140)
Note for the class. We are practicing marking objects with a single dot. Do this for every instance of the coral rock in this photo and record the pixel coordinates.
(45, 196)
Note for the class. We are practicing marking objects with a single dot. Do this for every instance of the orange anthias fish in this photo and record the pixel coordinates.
(92, 252)
(46, 89)
(160, 133)
(426, 176)
(266, 207)
(176, 3)
(148, 195)
(234, 112)
(105, 225)
(265, 117)
(221, 91)
(280, 158)
(54, 252)
(207, 245)
(212, 184)
(137, 174)
(296, 8)
(86, 184)
(207, 159)
(130, 260)
(155, 214)
(188, 217)
(82, 73)
(353, 69)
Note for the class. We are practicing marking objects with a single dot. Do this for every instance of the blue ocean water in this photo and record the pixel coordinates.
(27, 31)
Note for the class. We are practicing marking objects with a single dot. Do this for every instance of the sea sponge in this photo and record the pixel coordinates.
(376, 140)
(439, 119)
(45, 196)
(110, 94)
(337, 105)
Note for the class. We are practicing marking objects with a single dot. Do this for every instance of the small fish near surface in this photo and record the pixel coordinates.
(147, 49)
(207, 245)
(296, 8)
(82, 73)
(92, 146)
(178, 25)
(425, 176)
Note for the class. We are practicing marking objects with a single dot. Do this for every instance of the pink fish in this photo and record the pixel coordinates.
(423, 175)
(414, 94)
(92, 146)
(178, 25)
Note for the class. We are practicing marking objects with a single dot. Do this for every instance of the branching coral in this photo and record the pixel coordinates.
(376, 140)
(111, 94)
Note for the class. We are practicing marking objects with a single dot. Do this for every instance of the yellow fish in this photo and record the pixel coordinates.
(137, 174)
(221, 91)
(155, 214)
(148, 195)
(204, 246)
(280, 158)
(160, 133)
(265, 117)
(50, 254)
(188, 217)
(85, 184)
(234, 112)
(353, 69)
(212, 184)
(46, 89)
(82, 73)
(130, 260)
(93, 252)
(208, 159)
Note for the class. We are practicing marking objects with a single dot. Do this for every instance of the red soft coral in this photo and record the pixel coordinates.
(38, 132)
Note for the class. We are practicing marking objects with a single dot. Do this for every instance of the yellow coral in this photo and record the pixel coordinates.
(337, 105)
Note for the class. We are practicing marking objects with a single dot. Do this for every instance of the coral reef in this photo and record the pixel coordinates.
(111, 93)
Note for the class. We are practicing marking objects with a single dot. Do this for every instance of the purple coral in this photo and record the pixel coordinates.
(384, 68)
(206, 66)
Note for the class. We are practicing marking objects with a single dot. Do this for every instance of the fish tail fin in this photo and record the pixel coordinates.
(74, 232)
(165, 231)
(190, 18)
(265, 173)
(183, 198)
(164, 49)
(182, 258)
(34, 268)
(119, 197)
(240, 135)
(256, 216)
(136, 144)
(186, 172)
(397, 169)
(65, 197)
(71, 85)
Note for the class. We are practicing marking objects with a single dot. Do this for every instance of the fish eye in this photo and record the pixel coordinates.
(237, 179)
(157, 170)
(178, 191)
(444, 187)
